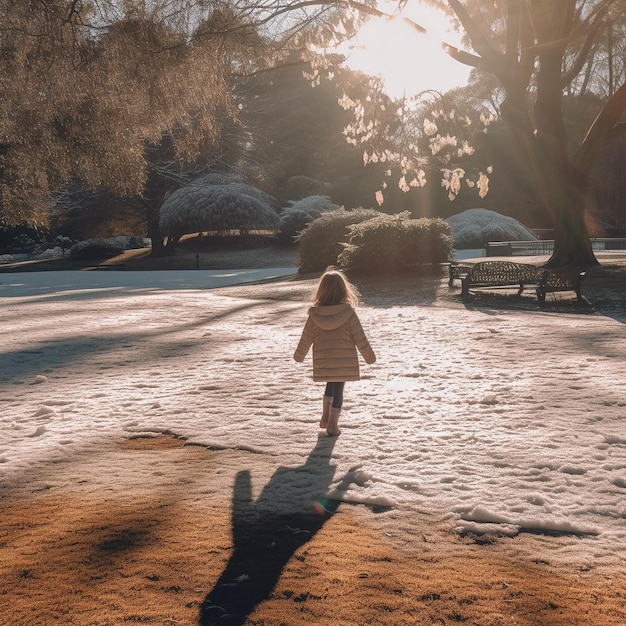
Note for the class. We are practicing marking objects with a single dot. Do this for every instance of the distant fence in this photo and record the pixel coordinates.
(545, 246)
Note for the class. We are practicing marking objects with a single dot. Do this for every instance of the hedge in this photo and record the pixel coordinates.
(396, 243)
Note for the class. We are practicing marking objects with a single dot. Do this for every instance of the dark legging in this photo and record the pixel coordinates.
(335, 391)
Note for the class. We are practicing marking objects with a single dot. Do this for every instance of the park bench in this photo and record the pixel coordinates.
(566, 279)
(457, 272)
(494, 274)
(506, 274)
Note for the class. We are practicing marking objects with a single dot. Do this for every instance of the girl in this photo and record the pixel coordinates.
(335, 332)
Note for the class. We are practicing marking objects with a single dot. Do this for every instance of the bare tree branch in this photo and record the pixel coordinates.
(583, 54)
(463, 57)
(609, 122)
(479, 36)
(527, 54)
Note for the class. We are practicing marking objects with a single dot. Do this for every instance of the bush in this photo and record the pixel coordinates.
(295, 218)
(199, 207)
(396, 243)
(475, 227)
(104, 248)
(321, 241)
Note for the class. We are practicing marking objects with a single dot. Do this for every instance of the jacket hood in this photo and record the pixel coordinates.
(331, 317)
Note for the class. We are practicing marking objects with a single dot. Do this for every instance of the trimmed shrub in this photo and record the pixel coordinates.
(322, 240)
(296, 217)
(200, 207)
(396, 243)
(90, 249)
(294, 221)
(104, 248)
(475, 227)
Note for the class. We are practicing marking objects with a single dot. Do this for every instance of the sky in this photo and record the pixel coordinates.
(408, 62)
(498, 421)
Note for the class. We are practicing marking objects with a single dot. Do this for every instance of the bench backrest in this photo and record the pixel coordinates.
(504, 271)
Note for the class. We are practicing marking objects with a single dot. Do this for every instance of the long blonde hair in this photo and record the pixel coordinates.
(335, 288)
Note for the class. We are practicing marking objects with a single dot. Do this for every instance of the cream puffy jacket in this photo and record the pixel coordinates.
(335, 333)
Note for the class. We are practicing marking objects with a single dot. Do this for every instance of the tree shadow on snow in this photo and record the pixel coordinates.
(603, 293)
(88, 350)
(265, 539)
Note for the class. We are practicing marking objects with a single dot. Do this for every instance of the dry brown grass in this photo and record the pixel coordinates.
(70, 556)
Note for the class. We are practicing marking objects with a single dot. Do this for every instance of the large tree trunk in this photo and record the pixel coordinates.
(572, 246)
(151, 204)
(157, 187)
(563, 197)
(561, 186)
(538, 34)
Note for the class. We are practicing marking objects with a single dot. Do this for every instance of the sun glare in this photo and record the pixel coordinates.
(408, 61)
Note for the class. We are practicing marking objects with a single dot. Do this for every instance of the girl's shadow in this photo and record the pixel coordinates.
(265, 539)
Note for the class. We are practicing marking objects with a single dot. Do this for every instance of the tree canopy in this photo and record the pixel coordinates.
(86, 87)
(135, 97)
(537, 51)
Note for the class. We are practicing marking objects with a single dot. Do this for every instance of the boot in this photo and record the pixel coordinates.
(326, 404)
(333, 429)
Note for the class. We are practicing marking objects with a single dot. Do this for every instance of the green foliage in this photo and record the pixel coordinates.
(296, 131)
(321, 241)
(299, 187)
(396, 243)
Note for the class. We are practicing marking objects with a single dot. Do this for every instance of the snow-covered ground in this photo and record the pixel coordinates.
(507, 421)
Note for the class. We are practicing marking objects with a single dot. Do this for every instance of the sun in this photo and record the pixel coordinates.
(408, 61)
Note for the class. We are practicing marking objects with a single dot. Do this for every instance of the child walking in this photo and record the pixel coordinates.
(335, 332)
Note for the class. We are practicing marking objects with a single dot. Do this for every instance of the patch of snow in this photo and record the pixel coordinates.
(50, 253)
(520, 432)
